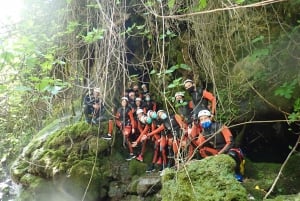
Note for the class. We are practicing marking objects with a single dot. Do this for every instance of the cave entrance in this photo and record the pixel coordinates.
(269, 142)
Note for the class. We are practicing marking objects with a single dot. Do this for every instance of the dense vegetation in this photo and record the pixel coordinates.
(245, 52)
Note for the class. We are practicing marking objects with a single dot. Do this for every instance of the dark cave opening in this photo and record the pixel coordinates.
(269, 142)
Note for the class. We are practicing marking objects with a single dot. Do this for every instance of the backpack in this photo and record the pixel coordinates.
(238, 156)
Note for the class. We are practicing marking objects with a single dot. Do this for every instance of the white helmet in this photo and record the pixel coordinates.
(139, 111)
(124, 98)
(204, 113)
(138, 99)
(188, 80)
(180, 93)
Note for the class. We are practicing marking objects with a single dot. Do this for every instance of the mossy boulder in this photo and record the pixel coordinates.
(295, 197)
(261, 176)
(74, 158)
(209, 179)
(289, 182)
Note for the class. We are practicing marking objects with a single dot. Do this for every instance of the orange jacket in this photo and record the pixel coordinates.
(221, 141)
(179, 121)
(209, 96)
(128, 115)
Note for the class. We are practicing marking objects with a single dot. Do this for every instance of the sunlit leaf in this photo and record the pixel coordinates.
(34, 79)
(133, 76)
(22, 88)
(169, 71)
(185, 67)
(71, 27)
(162, 36)
(44, 83)
(260, 38)
(94, 35)
(202, 4)
(170, 86)
(175, 67)
(171, 4)
(239, 1)
(153, 72)
(140, 27)
(260, 53)
(178, 80)
(170, 34)
(46, 66)
(286, 89)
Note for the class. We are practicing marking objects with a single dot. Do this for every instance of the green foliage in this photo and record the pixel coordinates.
(177, 105)
(260, 38)
(171, 70)
(168, 34)
(140, 30)
(286, 89)
(149, 3)
(295, 115)
(202, 4)
(71, 27)
(94, 35)
(260, 53)
(171, 3)
(239, 1)
(173, 84)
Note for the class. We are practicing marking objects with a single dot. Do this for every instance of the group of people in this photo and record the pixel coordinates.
(176, 136)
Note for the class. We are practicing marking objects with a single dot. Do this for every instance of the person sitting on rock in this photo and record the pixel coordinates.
(126, 123)
(136, 90)
(144, 126)
(144, 91)
(184, 108)
(139, 104)
(171, 131)
(149, 103)
(94, 109)
(131, 99)
(202, 99)
(157, 158)
(215, 138)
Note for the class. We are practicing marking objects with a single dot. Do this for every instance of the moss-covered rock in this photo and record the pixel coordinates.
(295, 197)
(289, 182)
(261, 176)
(137, 168)
(209, 179)
(97, 146)
(71, 157)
